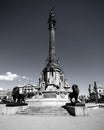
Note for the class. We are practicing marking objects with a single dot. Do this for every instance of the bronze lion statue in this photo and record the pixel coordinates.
(74, 94)
(17, 97)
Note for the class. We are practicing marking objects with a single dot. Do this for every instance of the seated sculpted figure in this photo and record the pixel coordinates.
(17, 97)
(74, 94)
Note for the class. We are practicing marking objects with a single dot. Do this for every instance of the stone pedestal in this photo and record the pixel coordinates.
(77, 110)
(12, 110)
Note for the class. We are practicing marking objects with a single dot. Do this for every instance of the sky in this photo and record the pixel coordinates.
(24, 41)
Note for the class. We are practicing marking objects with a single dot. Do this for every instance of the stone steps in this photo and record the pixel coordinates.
(44, 110)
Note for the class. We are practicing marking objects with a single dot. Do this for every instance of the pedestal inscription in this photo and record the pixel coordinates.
(49, 95)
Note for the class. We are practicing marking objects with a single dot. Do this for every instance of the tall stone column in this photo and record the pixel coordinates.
(51, 23)
(53, 75)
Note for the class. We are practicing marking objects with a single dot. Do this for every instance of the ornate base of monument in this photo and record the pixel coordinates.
(48, 99)
(77, 110)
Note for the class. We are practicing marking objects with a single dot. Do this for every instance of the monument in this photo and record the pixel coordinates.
(52, 82)
(53, 91)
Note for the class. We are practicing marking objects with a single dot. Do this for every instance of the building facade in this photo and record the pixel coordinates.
(96, 92)
(28, 88)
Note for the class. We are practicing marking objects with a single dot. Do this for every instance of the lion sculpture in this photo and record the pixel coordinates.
(17, 97)
(74, 94)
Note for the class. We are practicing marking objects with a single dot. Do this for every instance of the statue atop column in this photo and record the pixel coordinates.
(51, 20)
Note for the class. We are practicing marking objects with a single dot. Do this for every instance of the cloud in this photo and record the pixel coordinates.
(24, 77)
(20, 78)
(1, 89)
(9, 76)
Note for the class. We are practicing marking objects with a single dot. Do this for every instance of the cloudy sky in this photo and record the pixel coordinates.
(24, 40)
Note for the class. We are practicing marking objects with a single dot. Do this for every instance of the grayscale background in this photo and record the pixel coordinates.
(24, 40)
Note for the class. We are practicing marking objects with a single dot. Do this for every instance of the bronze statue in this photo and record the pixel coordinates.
(74, 94)
(17, 97)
